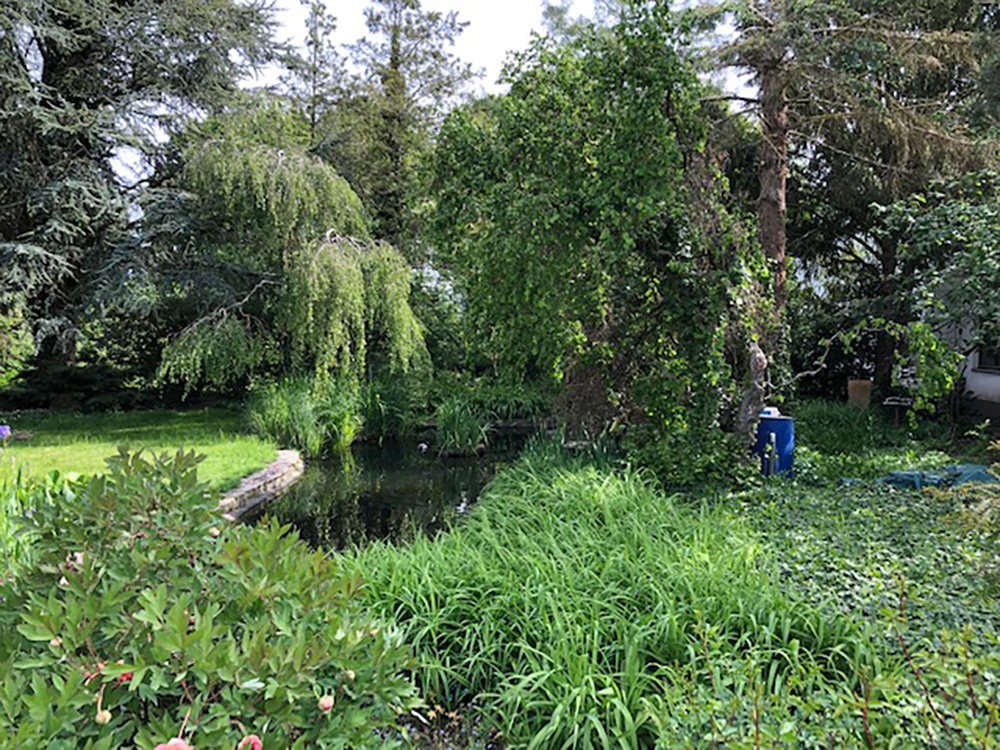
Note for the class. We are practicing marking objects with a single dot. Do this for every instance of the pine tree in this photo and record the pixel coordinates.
(408, 78)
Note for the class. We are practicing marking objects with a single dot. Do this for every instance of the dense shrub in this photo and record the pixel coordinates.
(310, 416)
(141, 621)
(693, 459)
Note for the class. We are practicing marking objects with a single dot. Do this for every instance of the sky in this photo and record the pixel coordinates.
(495, 28)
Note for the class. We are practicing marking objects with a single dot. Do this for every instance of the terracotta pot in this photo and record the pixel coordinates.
(859, 393)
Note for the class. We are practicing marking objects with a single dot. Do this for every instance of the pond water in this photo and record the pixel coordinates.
(391, 492)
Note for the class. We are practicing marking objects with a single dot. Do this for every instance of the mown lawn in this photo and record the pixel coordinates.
(79, 443)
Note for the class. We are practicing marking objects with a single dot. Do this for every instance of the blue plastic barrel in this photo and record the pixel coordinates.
(776, 445)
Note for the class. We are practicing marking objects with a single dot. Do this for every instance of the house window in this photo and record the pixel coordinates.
(989, 359)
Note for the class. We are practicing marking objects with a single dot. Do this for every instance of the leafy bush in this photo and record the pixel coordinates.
(141, 621)
(570, 592)
(307, 415)
(694, 459)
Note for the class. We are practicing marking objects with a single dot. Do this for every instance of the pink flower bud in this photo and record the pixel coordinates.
(175, 743)
(326, 703)
(250, 742)
(103, 716)
(214, 532)
(56, 642)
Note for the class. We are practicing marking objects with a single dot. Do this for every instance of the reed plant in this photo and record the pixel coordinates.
(462, 427)
(308, 415)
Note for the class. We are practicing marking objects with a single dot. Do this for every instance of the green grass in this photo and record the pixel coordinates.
(79, 443)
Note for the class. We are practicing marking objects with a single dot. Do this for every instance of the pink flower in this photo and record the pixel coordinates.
(251, 741)
(174, 744)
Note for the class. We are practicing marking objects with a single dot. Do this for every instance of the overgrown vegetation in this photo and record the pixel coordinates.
(610, 246)
(467, 416)
(579, 607)
(309, 415)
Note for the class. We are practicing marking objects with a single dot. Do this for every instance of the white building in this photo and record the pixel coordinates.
(982, 381)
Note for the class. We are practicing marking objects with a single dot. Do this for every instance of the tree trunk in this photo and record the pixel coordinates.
(774, 178)
(885, 344)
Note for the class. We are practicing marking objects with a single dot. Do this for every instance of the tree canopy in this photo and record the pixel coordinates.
(270, 251)
(86, 88)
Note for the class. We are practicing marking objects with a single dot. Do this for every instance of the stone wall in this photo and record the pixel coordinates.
(267, 484)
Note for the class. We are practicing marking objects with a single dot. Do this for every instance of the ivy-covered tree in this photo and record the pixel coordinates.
(269, 251)
(581, 216)
(88, 90)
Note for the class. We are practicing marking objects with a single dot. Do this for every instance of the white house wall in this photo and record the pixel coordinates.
(979, 384)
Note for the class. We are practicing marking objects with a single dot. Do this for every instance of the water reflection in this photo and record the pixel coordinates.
(393, 492)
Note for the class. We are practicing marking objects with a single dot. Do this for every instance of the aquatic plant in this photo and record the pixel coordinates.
(309, 415)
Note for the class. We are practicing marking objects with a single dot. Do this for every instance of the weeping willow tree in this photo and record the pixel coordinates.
(267, 250)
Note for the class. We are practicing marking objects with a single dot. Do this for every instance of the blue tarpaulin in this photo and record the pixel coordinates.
(950, 476)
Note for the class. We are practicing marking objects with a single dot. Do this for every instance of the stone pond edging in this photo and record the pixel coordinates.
(269, 483)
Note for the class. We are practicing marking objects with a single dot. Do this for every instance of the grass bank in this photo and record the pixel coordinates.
(79, 443)
(574, 597)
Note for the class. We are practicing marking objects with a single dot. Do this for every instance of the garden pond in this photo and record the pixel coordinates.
(390, 492)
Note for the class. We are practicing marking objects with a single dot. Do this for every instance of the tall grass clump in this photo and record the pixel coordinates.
(15, 502)
(465, 418)
(833, 427)
(389, 406)
(564, 604)
(836, 440)
(307, 415)
(461, 426)
(20, 498)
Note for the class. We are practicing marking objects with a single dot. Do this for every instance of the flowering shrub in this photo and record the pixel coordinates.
(141, 625)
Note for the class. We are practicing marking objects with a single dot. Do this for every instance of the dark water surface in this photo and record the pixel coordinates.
(391, 492)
